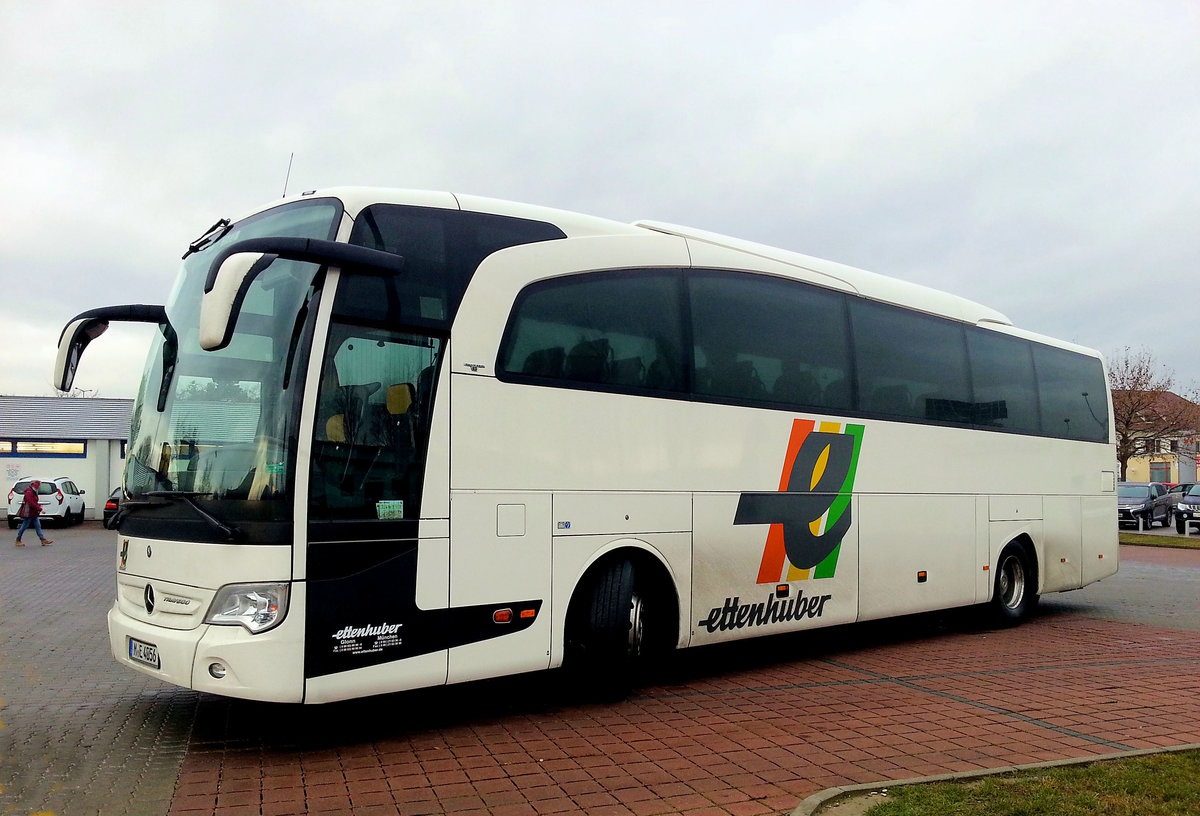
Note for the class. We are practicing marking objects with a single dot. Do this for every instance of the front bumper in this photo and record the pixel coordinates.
(268, 666)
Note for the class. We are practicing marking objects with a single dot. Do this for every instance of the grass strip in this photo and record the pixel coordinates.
(1157, 785)
(1191, 542)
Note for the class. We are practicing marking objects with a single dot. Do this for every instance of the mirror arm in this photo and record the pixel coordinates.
(310, 250)
(87, 326)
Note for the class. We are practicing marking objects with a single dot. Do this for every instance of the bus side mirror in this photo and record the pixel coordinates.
(222, 299)
(71, 343)
(235, 268)
(85, 327)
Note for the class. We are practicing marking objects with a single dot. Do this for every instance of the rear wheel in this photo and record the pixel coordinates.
(1015, 594)
(13, 523)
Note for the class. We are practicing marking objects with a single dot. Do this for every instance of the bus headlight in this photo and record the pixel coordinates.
(258, 607)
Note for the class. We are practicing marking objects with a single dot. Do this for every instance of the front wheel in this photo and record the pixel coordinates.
(1180, 526)
(608, 632)
(1014, 596)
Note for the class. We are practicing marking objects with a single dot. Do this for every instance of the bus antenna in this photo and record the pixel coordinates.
(291, 156)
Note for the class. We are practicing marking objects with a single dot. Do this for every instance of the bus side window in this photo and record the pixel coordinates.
(618, 331)
(763, 340)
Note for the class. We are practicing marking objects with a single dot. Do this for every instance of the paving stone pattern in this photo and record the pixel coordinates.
(79, 735)
(741, 729)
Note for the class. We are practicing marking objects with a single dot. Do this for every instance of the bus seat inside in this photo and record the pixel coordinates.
(400, 398)
(547, 362)
(628, 371)
(798, 387)
(891, 399)
(589, 361)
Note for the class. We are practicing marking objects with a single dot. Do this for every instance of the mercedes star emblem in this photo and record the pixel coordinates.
(149, 598)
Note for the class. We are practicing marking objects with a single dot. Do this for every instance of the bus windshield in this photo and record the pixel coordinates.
(220, 427)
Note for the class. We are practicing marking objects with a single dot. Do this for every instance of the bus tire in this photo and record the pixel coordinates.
(610, 633)
(1014, 596)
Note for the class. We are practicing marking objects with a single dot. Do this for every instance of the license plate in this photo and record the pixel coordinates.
(146, 653)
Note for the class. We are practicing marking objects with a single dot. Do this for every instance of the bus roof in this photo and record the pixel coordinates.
(575, 225)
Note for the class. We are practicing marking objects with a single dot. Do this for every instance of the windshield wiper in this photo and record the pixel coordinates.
(228, 531)
(214, 233)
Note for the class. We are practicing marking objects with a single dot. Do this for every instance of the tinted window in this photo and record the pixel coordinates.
(764, 339)
(441, 249)
(773, 342)
(619, 331)
(1073, 395)
(1004, 383)
(910, 365)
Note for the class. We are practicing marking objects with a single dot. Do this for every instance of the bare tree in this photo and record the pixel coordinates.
(1146, 411)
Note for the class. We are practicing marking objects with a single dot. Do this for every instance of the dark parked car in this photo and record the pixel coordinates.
(1177, 492)
(1143, 504)
(112, 505)
(1187, 512)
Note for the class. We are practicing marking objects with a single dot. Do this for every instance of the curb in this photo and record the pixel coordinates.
(814, 803)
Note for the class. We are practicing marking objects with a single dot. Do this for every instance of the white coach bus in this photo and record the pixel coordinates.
(391, 439)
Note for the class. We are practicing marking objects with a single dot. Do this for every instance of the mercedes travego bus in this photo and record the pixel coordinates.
(389, 439)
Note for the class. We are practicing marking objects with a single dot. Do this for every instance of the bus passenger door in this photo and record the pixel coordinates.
(377, 571)
(499, 583)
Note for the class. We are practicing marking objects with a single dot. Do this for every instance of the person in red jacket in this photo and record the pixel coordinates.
(31, 508)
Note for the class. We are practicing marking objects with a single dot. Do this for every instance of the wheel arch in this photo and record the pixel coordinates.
(653, 572)
(1032, 550)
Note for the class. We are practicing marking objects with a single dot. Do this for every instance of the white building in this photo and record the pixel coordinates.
(82, 439)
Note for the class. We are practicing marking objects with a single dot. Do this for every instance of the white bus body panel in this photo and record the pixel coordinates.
(951, 532)
(500, 553)
(727, 564)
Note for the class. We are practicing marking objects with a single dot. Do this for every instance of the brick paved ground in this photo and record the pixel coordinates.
(77, 736)
(746, 729)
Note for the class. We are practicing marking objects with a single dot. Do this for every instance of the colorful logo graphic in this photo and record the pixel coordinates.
(810, 514)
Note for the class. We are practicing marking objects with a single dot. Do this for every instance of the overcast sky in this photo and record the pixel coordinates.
(1042, 158)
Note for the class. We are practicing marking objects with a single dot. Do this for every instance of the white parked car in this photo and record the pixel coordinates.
(61, 500)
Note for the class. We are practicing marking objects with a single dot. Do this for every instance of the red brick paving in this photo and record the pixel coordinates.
(736, 735)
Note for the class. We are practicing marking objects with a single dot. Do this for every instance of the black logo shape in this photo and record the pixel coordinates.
(804, 502)
(148, 596)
